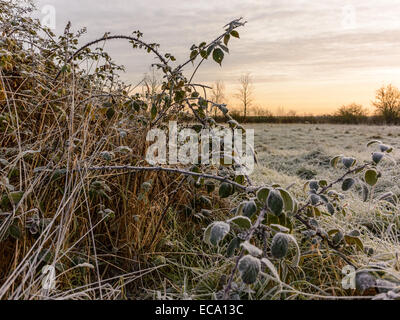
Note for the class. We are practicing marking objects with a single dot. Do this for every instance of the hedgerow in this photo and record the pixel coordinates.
(77, 194)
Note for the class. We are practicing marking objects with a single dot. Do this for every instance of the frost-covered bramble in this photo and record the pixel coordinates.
(284, 219)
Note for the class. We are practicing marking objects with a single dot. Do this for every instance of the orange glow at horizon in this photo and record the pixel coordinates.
(317, 98)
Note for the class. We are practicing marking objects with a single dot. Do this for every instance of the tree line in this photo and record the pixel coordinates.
(386, 104)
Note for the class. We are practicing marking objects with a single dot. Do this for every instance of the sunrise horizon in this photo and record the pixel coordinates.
(310, 57)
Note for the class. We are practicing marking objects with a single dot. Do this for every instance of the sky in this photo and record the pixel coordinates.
(311, 56)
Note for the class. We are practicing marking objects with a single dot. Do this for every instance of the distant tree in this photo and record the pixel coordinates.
(387, 103)
(280, 111)
(260, 111)
(218, 94)
(245, 92)
(351, 113)
(235, 113)
(151, 84)
(292, 113)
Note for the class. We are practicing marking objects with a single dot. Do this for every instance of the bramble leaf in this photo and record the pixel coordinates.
(314, 185)
(241, 221)
(235, 34)
(287, 200)
(377, 157)
(216, 232)
(371, 177)
(330, 208)
(210, 186)
(251, 249)
(225, 190)
(233, 245)
(373, 142)
(348, 162)
(365, 281)
(314, 199)
(262, 195)
(385, 148)
(218, 55)
(279, 246)
(334, 161)
(249, 267)
(275, 202)
(249, 209)
(347, 184)
(226, 39)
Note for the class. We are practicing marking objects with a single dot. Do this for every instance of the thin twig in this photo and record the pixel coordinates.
(133, 39)
(249, 236)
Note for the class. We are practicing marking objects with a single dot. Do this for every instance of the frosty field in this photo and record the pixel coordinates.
(291, 154)
(296, 152)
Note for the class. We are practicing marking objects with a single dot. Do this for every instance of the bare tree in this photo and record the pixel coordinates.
(387, 102)
(280, 111)
(245, 92)
(218, 94)
(151, 84)
(259, 111)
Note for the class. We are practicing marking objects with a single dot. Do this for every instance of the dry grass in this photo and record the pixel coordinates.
(99, 229)
(72, 227)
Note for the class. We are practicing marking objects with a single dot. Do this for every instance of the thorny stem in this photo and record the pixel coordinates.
(171, 170)
(105, 38)
(249, 236)
(359, 168)
(231, 26)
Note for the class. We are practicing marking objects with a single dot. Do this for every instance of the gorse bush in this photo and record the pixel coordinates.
(78, 196)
